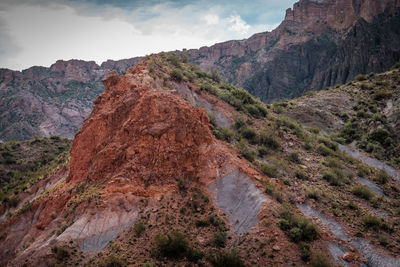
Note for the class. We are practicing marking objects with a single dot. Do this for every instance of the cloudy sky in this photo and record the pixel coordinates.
(39, 32)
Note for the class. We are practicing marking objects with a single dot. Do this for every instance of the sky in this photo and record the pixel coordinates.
(40, 32)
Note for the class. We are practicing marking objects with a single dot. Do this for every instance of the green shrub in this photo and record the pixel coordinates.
(267, 139)
(225, 259)
(332, 162)
(305, 251)
(382, 94)
(194, 254)
(215, 76)
(139, 228)
(60, 252)
(382, 177)
(249, 133)
(351, 205)
(371, 221)
(337, 176)
(294, 157)
(177, 75)
(219, 239)
(301, 174)
(361, 171)
(362, 191)
(263, 150)
(224, 133)
(297, 228)
(239, 123)
(313, 193)
(320, 260)
(379, 135)
(328, 143)
(270, 170)
(269, 188)
(314, 130)
(361, 77)
(324, 151)
(171, 246)
(247, 152)
(113, 261)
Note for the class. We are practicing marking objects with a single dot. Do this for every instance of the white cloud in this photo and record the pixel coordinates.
(46, 33)
(211, 19)
(238, 25)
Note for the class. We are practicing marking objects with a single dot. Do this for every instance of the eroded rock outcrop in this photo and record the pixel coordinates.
(139, 143)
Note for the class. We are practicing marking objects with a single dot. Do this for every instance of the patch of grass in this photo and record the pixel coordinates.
(139, 228)
(267, 139)
(270, 170)
(224, 133)
(324, 151)
(114, 261)
(362, 192)
(382, 177)
(313, 193)
(246, 151)
(269, 188)
(60, 252)
(171, 246)
(177, 75)
(225, 259)
(336, 176)
(297, 228)
(320, 260)
(294, 157)
(371, 221)
(249, 133)
(301, 174)
(361, 77)
(219, 239)
(194, 254)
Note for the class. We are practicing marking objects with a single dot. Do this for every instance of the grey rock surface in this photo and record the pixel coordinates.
(237, 196)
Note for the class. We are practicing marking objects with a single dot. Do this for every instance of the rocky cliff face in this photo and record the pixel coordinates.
(143, 142)
(47, 101)
(319, 44)
(176, 167)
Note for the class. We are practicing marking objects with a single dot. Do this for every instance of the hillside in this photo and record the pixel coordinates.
(176, 167)
(363, 113)
(319, 44)
(47, 101)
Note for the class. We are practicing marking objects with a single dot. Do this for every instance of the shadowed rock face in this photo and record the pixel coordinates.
(319, 44)
(240, 199)
(55, 100)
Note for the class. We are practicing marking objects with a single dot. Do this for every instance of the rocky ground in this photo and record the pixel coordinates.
(176, 167)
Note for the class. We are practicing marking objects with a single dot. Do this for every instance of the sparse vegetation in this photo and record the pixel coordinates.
(226, 258)
(363, 192)
(172, 246)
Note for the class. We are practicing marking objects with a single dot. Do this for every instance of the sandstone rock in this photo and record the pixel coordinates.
(276, 248)
(348, 256)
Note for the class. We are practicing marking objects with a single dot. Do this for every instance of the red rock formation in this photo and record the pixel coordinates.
(148, 135)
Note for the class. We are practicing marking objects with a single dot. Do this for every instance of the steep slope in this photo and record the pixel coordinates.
(319, 44)
(176, 167)
(46, 101)
(364, 112)
(146, 156)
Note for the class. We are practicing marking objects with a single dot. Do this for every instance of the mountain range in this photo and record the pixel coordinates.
(319, 44)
